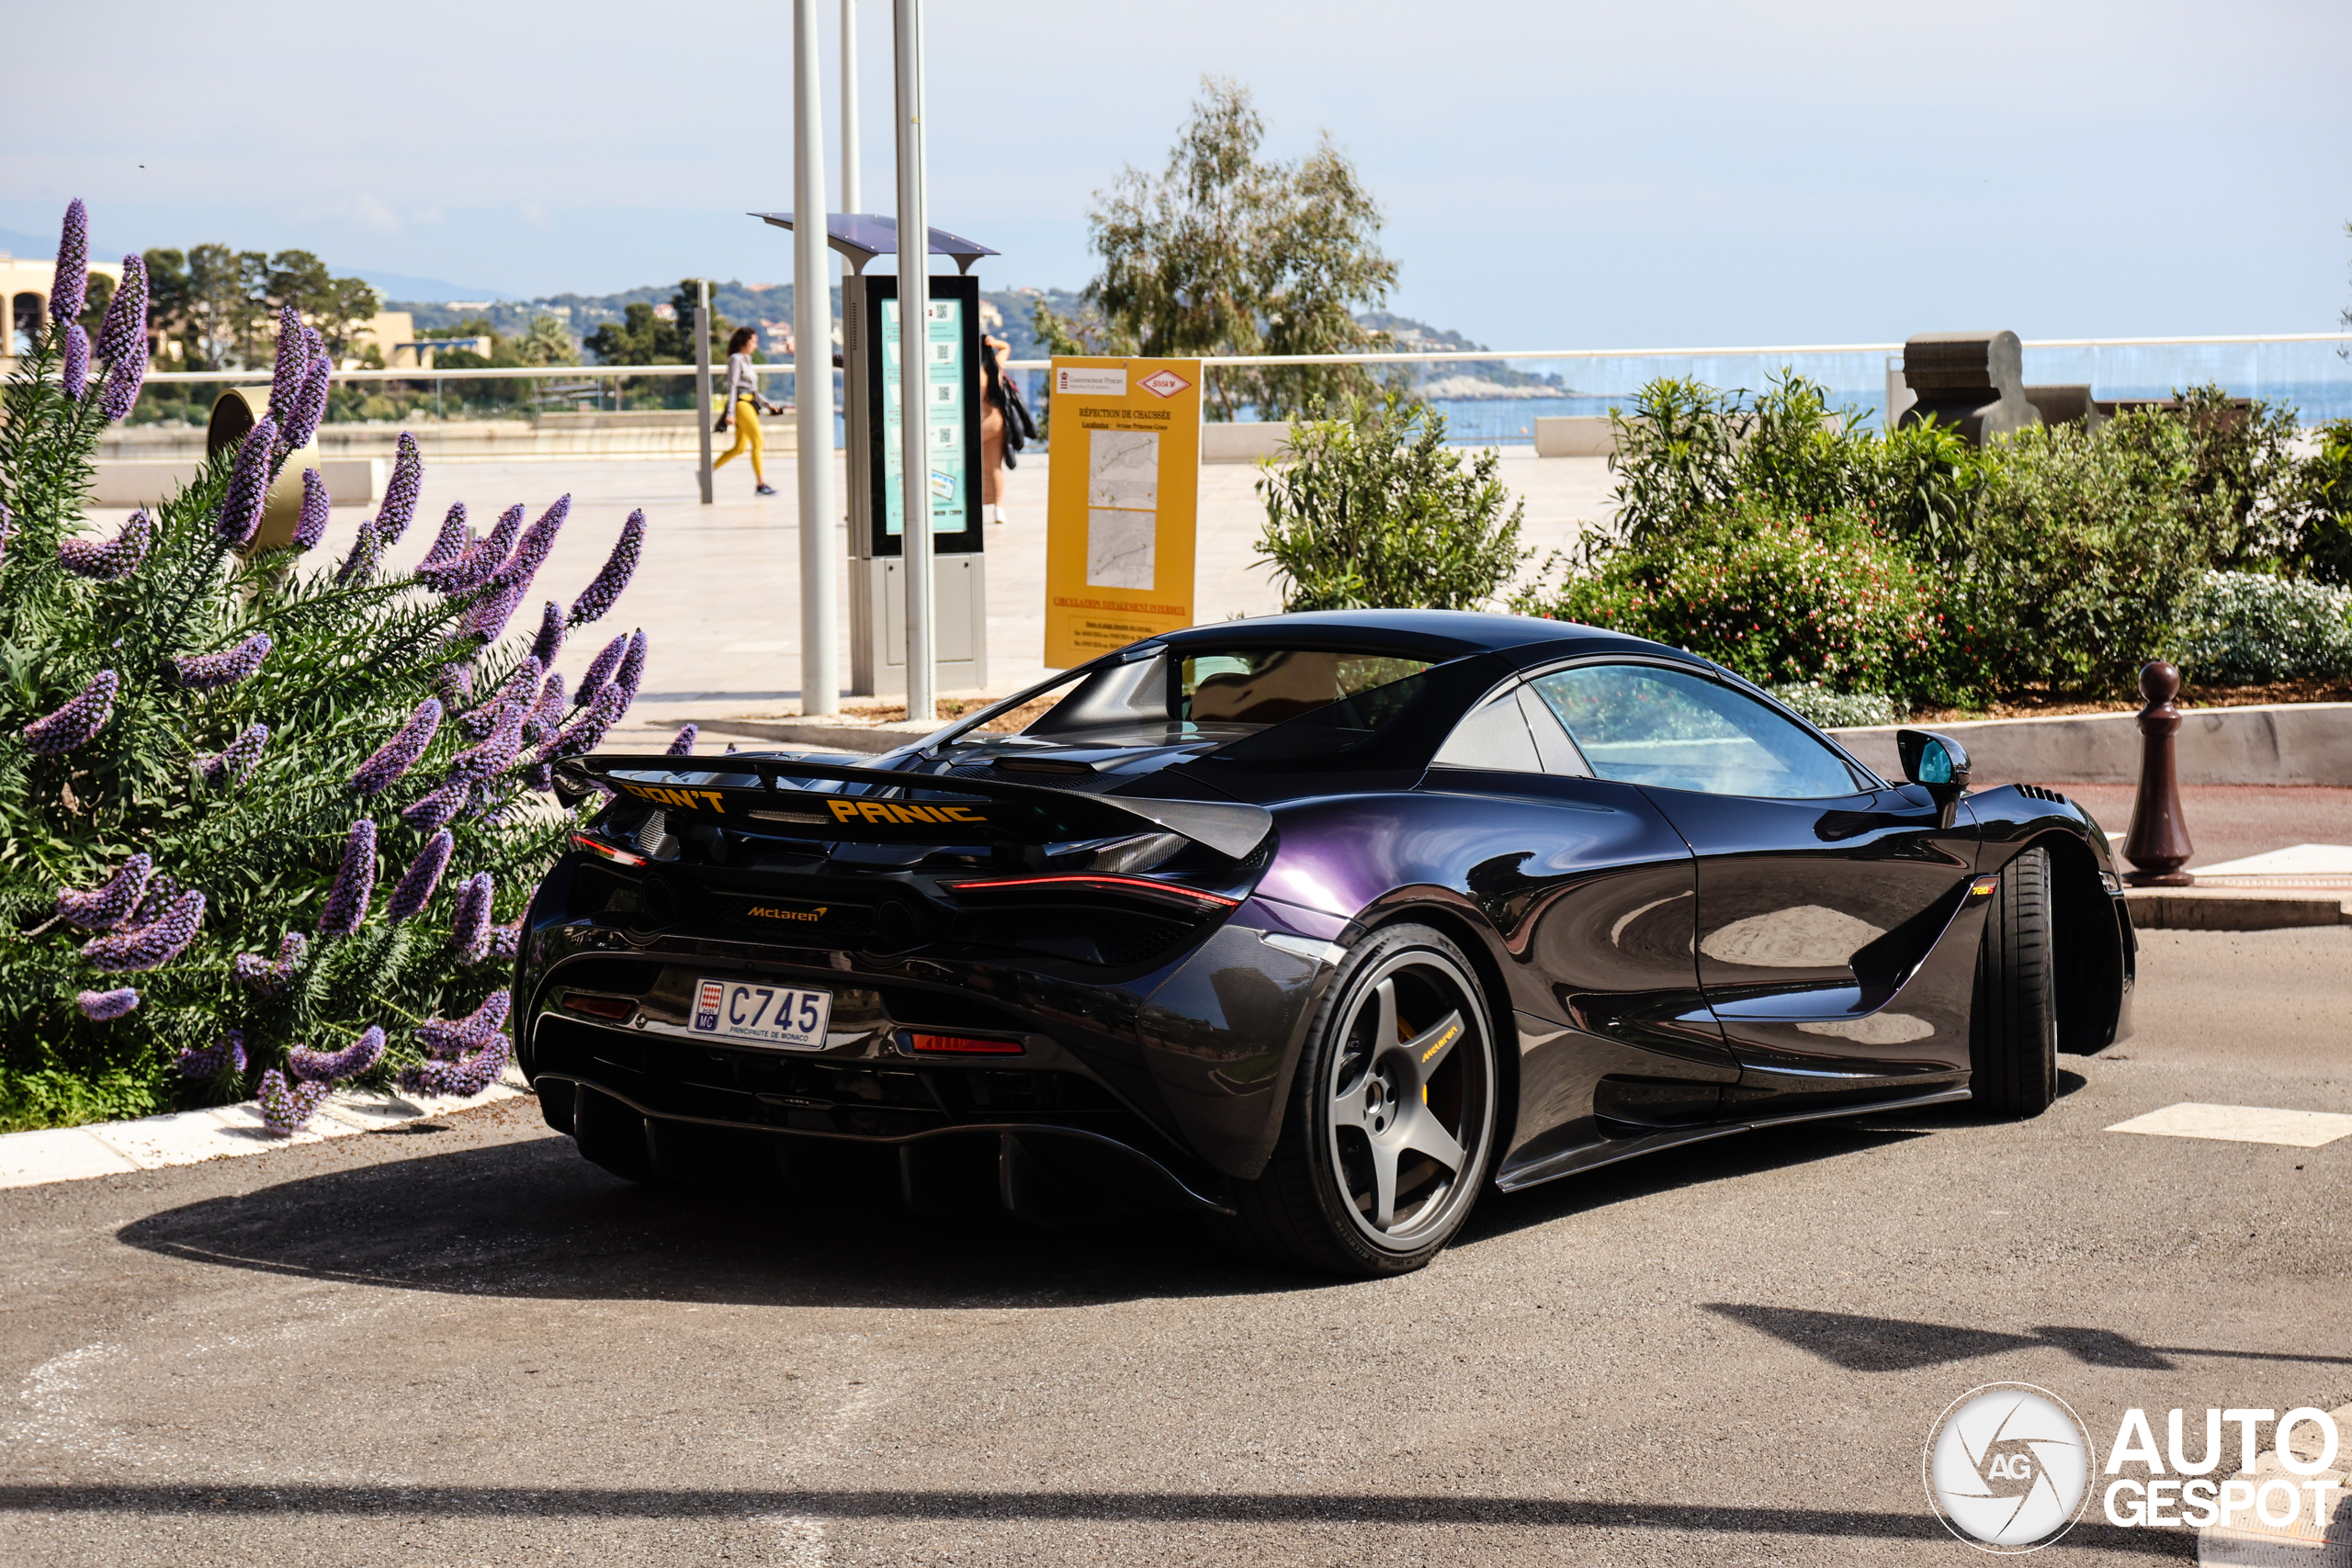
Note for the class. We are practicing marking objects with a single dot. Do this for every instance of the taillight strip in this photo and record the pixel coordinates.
(1077, 880)
(610, 851)
(963, 1044)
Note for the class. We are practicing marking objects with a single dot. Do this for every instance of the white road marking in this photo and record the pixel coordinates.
(2242, 1124)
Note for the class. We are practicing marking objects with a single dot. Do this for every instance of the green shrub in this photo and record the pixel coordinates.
(1779, 599)
(1374, 511)
(1836, 710)
(1687, 449)
(2071, 568)
(2322, 536)
(2244, 629)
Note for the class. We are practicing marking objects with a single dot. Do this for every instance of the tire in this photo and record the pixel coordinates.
(1415, 1107)
(2013, 1025)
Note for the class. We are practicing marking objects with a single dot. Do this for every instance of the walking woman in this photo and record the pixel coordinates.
(744, 405)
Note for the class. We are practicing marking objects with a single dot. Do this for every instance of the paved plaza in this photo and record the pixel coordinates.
(718, 594)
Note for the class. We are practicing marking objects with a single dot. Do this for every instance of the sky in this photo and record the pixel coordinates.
(1554, 174)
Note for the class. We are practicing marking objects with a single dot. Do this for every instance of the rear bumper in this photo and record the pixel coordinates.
(1183, 1069)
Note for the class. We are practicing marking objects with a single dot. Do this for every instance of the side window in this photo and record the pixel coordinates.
(1492, 735)
(1641, 724)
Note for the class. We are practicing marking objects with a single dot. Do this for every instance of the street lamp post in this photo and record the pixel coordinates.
(852, 200)
(702, 377)
(914, 369)
(812, 373)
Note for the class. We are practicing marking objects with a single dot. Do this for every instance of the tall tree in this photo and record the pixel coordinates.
(1225, 252)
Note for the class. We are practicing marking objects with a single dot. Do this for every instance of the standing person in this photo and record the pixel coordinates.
(744, 405)
(1005, 427)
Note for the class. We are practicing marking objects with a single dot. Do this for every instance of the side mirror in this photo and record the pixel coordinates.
(1937, 763)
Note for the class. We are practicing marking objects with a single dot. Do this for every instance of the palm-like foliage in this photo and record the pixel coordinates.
(171, 775)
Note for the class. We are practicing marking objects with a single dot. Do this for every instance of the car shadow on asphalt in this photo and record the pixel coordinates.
(533, 1219)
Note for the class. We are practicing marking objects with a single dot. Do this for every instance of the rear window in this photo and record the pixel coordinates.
(1262, 686)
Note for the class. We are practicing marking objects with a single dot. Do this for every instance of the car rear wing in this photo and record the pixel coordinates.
(785, 795)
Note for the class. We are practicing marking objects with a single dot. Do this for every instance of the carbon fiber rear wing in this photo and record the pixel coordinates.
(884, 805)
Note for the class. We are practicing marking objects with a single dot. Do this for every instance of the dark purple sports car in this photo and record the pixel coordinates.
(1314, 925)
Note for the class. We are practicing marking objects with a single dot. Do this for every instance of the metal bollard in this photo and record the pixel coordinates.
(2157, 845)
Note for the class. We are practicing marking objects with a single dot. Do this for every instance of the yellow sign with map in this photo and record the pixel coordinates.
(1122, 503)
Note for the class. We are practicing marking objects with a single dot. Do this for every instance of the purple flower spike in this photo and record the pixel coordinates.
(470, 922)
(122, 332)
(287, 1109)
(70, 289)
(449, 544)
(293, 361)
(599, 596)
(682, 743)
(120, 394)
(399, 754)
(150, 946)
(531, 549)
(162, 889)
(76, 374)
(310, 404)
(463, 1075)
(354, 882)
(599, 669)
(414, 889)
(446, 1038)
(548, 712)
(73, 725)
(238, 758)
(455, 682)
(506, 940)
(105, 1007)
(269, 980)
(550, 642)
(400, 495)
(211, 671)
(587, 732)
(482, 559)
(197, 1065)
(632, 669)
(310, 527)
(105, 907)
(487, 619)
(118, 558)
(435, 809)
(359, 566)
(326, 1067)
(248, 483)
(496, 752)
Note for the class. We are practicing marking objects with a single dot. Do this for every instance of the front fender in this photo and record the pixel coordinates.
(2096, 952)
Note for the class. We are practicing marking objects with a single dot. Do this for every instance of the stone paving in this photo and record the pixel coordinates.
(718, 592)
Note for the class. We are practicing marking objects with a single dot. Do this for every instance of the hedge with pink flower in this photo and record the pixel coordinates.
(268, 819)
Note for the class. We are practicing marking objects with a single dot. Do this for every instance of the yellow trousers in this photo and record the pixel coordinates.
(747, 439)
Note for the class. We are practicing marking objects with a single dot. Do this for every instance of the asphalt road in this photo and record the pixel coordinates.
(467, 1346)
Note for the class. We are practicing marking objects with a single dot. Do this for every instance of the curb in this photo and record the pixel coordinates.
(868, 738)
(2233, 910)
(223, 1132)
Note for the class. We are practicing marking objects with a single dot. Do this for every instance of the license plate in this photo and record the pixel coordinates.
(774, 1015)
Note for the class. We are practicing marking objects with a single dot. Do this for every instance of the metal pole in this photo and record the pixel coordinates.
(812, 372)
(702, 377)
(914, 367)
(852, 201)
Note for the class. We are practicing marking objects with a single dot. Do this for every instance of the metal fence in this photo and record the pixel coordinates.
(1493, 397)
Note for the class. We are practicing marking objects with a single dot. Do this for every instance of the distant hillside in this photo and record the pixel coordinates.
(1005, 313)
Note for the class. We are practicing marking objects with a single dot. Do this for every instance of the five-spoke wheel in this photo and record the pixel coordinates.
(1386, 1140)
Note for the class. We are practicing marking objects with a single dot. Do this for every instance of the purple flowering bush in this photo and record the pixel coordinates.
(266, 797)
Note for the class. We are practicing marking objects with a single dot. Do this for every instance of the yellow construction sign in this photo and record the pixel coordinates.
(1122, 503)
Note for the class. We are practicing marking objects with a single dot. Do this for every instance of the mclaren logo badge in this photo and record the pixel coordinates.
(769, 913)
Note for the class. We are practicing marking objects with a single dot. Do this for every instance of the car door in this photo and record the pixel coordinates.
(1836, 932)
(1594, 892)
